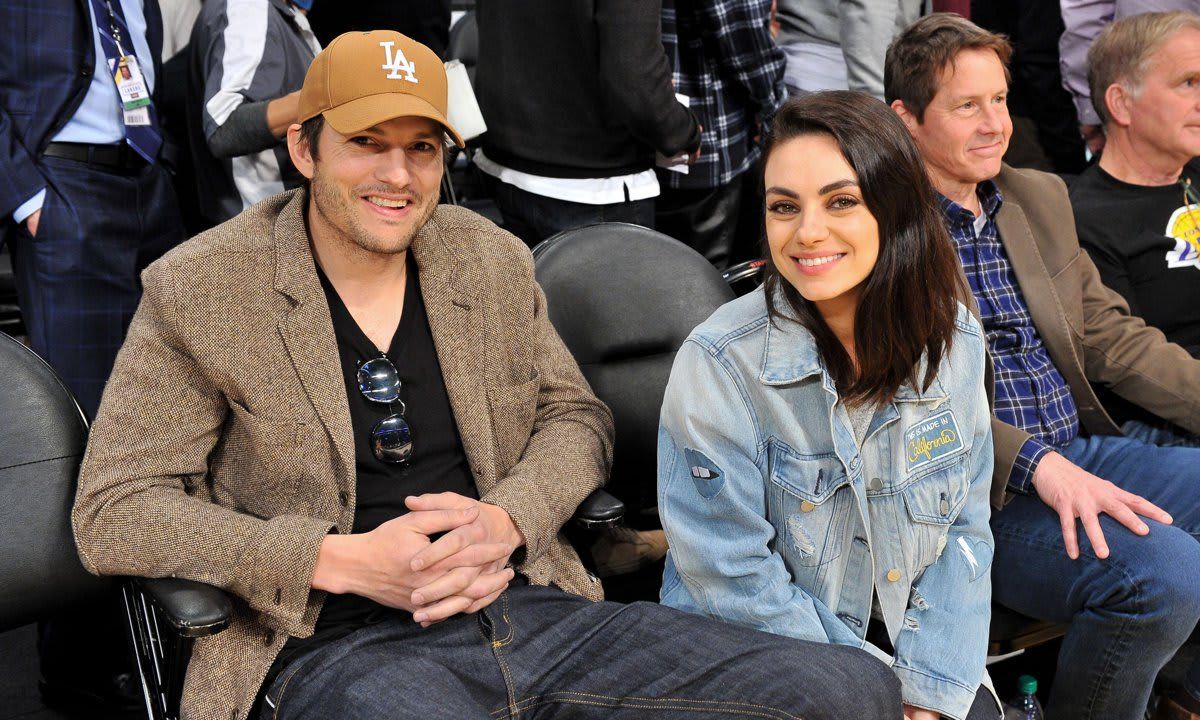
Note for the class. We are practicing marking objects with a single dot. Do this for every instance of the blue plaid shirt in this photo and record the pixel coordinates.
(725, 61)
(1030, 392)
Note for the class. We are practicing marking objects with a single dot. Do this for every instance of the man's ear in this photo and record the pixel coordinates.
(300, 152)
(910, 121)
(1119, 100)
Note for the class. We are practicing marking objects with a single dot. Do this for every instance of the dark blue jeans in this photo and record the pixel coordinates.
(1128, 614)
(538, 652)
(533, 218)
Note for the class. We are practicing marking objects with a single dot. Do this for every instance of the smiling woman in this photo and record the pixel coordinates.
(859, 255)
(830, 480)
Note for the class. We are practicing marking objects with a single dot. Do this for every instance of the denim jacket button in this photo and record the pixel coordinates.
(874, 484)
(893, 575)
(806, 506)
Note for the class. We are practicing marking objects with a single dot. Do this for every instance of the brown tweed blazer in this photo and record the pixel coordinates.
(223, 450)
(1086, 327)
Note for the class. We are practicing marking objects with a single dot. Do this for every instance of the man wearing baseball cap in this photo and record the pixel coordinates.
(347, 408)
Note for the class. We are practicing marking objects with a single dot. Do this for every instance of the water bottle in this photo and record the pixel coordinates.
(1026, 703)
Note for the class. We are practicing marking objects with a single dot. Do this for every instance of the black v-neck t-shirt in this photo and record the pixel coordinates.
(438, 462)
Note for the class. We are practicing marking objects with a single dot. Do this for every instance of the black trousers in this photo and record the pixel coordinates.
(723, 224)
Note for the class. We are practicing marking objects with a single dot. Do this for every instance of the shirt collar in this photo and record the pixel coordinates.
(790, 354)
(989, 198)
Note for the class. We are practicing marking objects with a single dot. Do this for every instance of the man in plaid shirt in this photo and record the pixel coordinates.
(731, 73)
(1129, 584)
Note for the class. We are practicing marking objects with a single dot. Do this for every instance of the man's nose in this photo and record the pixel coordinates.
(393, 168)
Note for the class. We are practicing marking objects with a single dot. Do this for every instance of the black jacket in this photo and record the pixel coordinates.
(578, 88)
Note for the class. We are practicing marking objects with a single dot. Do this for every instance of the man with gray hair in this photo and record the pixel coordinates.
(1084, 19)
(1137, 211)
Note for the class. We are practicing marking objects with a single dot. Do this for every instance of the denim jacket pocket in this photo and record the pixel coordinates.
(934, 501)
(806, 508)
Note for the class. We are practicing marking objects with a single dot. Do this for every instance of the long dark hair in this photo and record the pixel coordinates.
(908, 304)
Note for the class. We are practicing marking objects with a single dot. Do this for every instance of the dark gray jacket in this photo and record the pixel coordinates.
(578, 88)
(244, 53)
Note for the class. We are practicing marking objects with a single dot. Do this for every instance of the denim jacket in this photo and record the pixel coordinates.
(779, 521)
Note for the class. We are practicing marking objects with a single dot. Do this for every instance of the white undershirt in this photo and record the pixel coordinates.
(590, 191)
(980, 220)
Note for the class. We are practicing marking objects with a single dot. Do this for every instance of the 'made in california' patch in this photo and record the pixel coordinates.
(933, 438)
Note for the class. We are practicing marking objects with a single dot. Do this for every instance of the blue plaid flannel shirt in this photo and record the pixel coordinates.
(1030, 392)
(725, 61)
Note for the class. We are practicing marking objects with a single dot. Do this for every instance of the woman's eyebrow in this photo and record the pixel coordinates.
(837, 185)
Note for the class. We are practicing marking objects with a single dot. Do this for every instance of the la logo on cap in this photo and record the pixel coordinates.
(397, 63)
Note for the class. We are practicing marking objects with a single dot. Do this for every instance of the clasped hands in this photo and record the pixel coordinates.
(399, 565)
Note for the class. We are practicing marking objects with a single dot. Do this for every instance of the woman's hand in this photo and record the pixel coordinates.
(916, 713)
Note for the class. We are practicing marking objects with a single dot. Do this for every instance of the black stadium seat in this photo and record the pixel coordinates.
(624, 298)
(42, 439)
(10, 313)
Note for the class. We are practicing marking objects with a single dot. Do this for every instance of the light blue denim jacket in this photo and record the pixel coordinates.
(777, 520)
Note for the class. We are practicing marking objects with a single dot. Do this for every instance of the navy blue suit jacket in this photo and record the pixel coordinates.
(47, 60)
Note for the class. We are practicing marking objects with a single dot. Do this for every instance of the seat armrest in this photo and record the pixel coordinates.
(745, 271)
(192, 608)
(599, 510)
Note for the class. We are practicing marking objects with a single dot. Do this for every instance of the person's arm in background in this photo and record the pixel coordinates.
(237, 56)
(1083, 20)
(741, 33)
(24, 187)
(255, 126)
(866, 28)
(636, 76)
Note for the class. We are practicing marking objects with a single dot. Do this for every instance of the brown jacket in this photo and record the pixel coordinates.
(1086, 327)
(223, 451)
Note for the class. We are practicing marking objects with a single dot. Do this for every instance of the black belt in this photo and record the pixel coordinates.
(116, 157)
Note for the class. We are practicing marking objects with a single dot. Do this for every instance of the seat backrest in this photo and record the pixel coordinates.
(464, 43)
(624, 298)
(10, 314)
(42, 438)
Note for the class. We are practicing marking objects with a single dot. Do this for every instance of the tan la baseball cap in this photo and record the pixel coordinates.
(364, 78)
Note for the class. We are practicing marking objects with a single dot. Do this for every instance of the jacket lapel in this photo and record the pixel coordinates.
(453, 291)
(154, 34)
(307, 333)
(1038, 288)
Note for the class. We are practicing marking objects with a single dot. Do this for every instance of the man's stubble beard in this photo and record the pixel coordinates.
(338, 213)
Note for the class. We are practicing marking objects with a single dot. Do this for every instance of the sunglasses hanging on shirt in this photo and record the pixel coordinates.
(391, 438)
